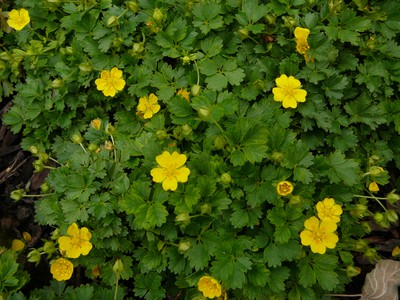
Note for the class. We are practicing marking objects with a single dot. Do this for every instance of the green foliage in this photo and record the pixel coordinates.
(12, 277)
(213, 66)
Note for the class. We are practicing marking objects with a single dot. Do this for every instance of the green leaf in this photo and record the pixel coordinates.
(278, 277)
(156, 215)
(324, 271)
(149, 286)
(207, 16)
(198, 256)
(231, 270)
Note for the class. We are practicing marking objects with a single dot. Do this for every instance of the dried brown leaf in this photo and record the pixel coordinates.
(382, 282)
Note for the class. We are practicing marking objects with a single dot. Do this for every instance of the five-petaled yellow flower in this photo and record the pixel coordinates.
(301, 35)
(210, 287)
(328, 210)
(148, 106)
(288, 91)
(62, 269)
(171, 170)
(284, 188)
(110, 82)
(319, 235)
(373, 187)
(76, 242)
(18, 19)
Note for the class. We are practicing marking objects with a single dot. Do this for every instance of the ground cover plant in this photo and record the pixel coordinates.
(202, 149)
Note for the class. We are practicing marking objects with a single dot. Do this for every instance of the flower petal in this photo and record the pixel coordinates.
(318, 247)
(330, 240)
(164, 159)
(178, 159)
(182, 174)
(115, 73)
(153, 99)
(170, 183)
(279, 94)
(289, 101)
(119, 84)
(158, 174)
(73, 230)
(299, 95)
(327, 226)
(306, 237)
(293, 82)
(301, 33)
(281, 81)
(312, 223)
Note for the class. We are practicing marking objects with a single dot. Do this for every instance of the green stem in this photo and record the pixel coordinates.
(37, 196)
(114, 150)
(50, 168)
(198, 73)
(116, 289)
(377, 199)
(80, 144)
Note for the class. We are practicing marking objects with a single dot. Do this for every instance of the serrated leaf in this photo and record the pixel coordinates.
(341, 169)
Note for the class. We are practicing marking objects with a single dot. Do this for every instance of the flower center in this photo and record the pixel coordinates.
(284, 188)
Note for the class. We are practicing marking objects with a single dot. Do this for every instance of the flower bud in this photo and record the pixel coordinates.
(371, 254)
(76, 137)
(185, 60)
(34, 256)
(277, 157)
(360, 245)
(57, 83)
(86, 67)
(392, 197)
(289, 22)
(118, 267)
(112, 21)
(205, 209)
(138, 48)
(45, 187)
(186, 130)
(195, 90)
(373, 159)
(352, 271)
(110, 129)
(270, 18)
(378, 217)
(34, 150)
(295, 200)
(183, 246)
(49, 247)
(93, 147)
(243, 33)
(359, 211)
(225, 178)
(38, 165)
(366, 226)
(382, 220)
(204, 113)
(396, 251)
(17, 195)
(162, 134)
(375, 171)
(391, 215)
(373, 187)
(2, 66)
(183, 217)
(158, 16)
(219, 143)
(133, 6)
(96, 123)
(17, 245)
(96, 271)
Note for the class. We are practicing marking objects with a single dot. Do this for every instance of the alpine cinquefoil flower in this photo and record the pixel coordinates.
(284, 188)
(210, 287)
(62, 269)
(18, 19)
(171, 170)
(110, 82)
(373, 187)
(288, 91)
(76, 242)
(183, 93)
(301, 35)
(319, 235)
(328, 210)
(148, 106)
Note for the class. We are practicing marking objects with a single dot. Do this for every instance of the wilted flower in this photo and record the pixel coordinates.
(110, 82)
(96, 123)
(284, 188)
(183, 93)
(148, 106)
(328, 210)
(373, 187)
(170, 170)
(76, 242)
(18, 19)
(319, 235)
(210, 287)
(288, 91)
(62, 269)
(301, 35)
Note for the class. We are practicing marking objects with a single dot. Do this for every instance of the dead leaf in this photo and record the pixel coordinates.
(382, 282)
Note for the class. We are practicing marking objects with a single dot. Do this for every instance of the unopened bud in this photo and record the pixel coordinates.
(205, 209)
(45, 187)
(34, 256)
(57, 83)
(359, 210)
(96, 123)
(34, 150)
(118, 267)
(93, 147)
(219, 143)
(371, 254)
(204, 113)
(243, 33)
(137, 48)
(186, 130)
(110, 129)
(49, 247)
(158, 16)
(76, 137)
(225, 178)
(277, 157)
(352, 271)
(360, 245)
(112, 21)
(133, 6)
(183, 246)
(375, 171)
(86, 67)
(185, 60)
(38, 165)
(161, 134)
(392, 197)
(17, 195)
(391, 215)
(295, 200)
(183, 217)
(195, 90)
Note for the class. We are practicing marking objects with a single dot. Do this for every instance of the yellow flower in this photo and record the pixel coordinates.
(170, 170)
(148, 106)
(96, 123)
(301, 35)
(18, 19)
(328, 210)
(288, 91)
(62, 269)
(210, 287)
(284, 188)
(373, 187)
(76, 242)
(183, 93)
(319, 235)
(18, 245)
(110, 82)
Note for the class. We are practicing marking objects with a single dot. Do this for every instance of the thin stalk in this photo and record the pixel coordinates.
(116, 288)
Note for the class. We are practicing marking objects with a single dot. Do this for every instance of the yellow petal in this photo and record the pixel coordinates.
(330, 240)
(73, 230)
(158, 174)
(105, 74)
(64, 242)
(27, 236)
(318, 247)
(17, 245)
(115, 73)
(301, 33)
(337, 210)
(153, 99)
(86, 247)
(109, 91)
(293, 82)
(101, 84)
(182, 174)
(299, 95)
(289, 101)
(306, 237)
(164, 159)
(85, 234)
(312, 223)
(73, 252)
(119, 84)
(279, 94)
(170, 183)
(178, 159)
(327, 226)
(282, 81)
